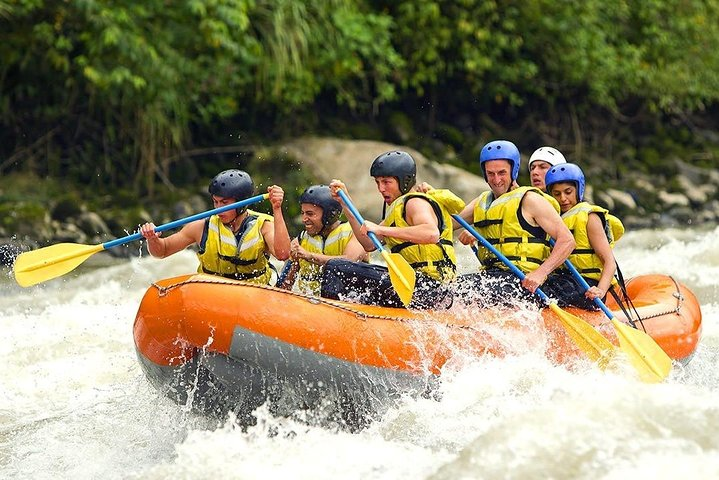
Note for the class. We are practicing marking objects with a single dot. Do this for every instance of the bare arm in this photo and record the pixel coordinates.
(161, 247)
(467, 214)
(354, 252)
(540, 212)
(600, 244)
(361, 236)
(275, 233)
(423, 224)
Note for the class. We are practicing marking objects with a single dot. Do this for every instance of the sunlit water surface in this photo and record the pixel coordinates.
(74, 403)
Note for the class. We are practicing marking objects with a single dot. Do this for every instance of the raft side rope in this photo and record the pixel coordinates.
(364, 316)
(676, 311)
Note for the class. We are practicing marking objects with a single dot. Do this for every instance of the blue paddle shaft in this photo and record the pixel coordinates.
(358, 217)
(186, 220)
(497, 254)
(597, 301)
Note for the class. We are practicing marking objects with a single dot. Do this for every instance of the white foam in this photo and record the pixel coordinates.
(74, 403)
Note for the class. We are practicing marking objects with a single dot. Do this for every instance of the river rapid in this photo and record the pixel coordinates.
(74, 403)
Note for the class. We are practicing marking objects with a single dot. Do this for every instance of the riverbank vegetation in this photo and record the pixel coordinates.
(131, 101)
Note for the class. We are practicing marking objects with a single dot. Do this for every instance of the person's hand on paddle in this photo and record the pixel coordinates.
(296, 251)
(466, 238)
(148, 231)
(533, 280)
(595, 292)
(336, 185)
(368, 226)
(277, 195)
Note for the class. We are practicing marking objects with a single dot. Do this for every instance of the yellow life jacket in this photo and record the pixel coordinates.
(497, 220)
(310, 274)
(243, 256)
(436, 260)
(583, 257)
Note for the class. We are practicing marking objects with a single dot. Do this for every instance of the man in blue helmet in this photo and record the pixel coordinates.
(323, 239)
(233, 244)
(518, 221)
(417, 225)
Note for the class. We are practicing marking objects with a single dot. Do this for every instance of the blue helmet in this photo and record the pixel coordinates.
(321, 196)
(500, 150)
(566, 172)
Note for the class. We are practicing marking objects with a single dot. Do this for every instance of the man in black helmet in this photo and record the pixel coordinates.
(417, 225)
(236, 243)
(323, 239)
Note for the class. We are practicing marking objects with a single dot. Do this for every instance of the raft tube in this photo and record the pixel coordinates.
(218, 344)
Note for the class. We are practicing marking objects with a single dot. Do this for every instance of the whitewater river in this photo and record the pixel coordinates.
(74, 403)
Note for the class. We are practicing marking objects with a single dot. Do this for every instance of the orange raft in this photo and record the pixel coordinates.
(219, 343)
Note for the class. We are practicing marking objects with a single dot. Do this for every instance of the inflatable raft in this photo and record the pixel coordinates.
(219, 344)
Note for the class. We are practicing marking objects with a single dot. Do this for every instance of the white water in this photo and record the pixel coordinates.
(74, 403)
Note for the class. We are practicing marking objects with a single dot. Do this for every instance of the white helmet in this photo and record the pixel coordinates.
(547, 154)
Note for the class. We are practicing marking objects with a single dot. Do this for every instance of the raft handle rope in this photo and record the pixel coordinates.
(310, 298)
(680, 300)
(364, 315)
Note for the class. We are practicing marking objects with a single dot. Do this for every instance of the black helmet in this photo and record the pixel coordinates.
(321, 196)
(232, 184)
(396, 164)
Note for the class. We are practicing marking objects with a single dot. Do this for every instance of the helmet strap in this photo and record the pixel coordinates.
(327, 229)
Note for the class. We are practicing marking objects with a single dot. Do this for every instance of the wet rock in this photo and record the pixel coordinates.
(673, 199)
(684, 215)
(92, 224)
(65, 208)
(694, 175)
(698, 194)
(69, 232)
(350, 160)
(622, 199)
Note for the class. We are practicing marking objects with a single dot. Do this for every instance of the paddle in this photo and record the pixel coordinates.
(401, 274)
(591, 342)
(652, 363)
(50, 262)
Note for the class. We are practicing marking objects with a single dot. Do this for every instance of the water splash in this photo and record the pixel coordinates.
(74, 403)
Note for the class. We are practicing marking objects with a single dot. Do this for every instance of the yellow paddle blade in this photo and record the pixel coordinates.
(652, 363)
(50, 262)
(401, 274)
(590, 341)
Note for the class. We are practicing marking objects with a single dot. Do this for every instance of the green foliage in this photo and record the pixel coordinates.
(273, 167)
(20, 217)
(475, 42)
(323, 46)
(111, 93)
(608, 52)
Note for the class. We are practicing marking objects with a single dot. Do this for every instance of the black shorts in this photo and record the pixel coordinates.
(371, 285)
(496, 287)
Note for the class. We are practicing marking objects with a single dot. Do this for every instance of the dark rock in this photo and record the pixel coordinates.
(65, 208)
(92, 224)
